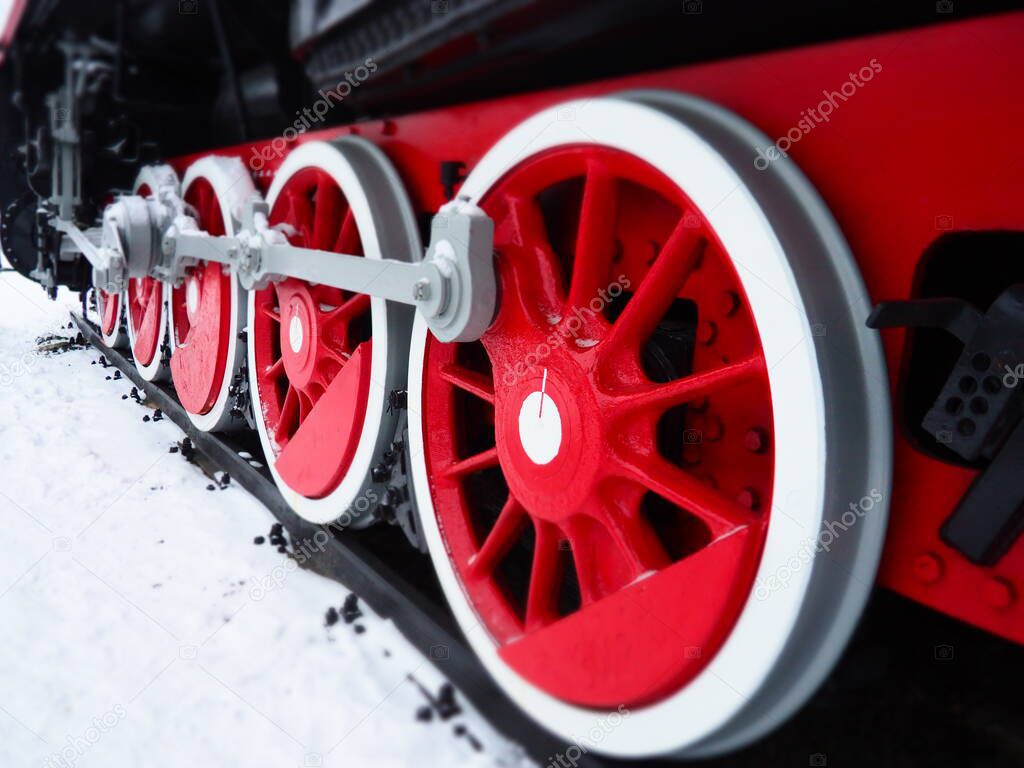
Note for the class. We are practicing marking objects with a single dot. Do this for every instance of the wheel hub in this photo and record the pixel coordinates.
(306, 360)
(295, 333)
(549, 440)
(540, 427)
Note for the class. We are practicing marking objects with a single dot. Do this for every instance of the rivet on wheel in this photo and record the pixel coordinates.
(756, 440)
(928, 567)
(655, 250)
(706, 332)
(707, 479)
(998, 593)
(749, 498)
(730, 303)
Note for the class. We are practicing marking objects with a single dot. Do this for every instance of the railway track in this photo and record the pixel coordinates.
(376, 564)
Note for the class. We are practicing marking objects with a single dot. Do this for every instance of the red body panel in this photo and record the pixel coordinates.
(929, 143)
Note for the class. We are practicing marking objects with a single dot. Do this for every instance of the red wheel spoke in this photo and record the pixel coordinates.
(637, 543)
(660, 397)
(475, 463)
(202, 202)
(509, 526)
(531, 262)
(720, 513)
(348, 236)
(305, 405)
(586, 556)
(289, 415)
(325, 214)
(545, 577)
(290, 411)
(358, 304)
(267, 309)
(276, 370)
(340, 357)
(659, 288)
(595, 239)
(300, 212)
(469, 381)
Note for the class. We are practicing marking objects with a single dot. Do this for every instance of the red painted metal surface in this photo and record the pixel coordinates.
(312, 345)
(202, 329)
(111, 304)
(928, 144)
(146, 314)
(634, 516)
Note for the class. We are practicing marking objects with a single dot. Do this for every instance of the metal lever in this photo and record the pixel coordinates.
(977, 414)
(453, 286)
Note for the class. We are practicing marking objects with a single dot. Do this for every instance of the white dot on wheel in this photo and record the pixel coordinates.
(192, 296)
(295, 333)
(540, 427)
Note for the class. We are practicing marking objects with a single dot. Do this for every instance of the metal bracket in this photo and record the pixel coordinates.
(978, 414)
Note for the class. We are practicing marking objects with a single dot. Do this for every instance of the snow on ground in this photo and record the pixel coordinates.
(128, 632)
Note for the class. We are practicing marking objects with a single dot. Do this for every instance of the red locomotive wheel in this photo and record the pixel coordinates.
(312, 344)
(110, 308)
(200, 312)
(320, 359)
(207, 309)
(146, 313)
(146, 298)
(619, 481)
(606, 449)
(110, 311)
